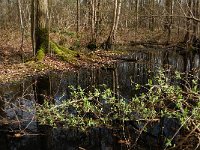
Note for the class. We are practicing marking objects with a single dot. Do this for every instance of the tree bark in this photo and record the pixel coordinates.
(187, 38)
(93, 20)
(98, 18)
(22, 29)
(152, 19)
(116, 15)
(169, 18)
(40, 26)
(195, 23)
(78, 17)
(136, 14)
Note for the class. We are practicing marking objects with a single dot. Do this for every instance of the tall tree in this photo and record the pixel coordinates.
(116, 15)
(187, 38)
(40, 27)
(136, 14)
(95, 21)
(77, 17)
(169, 18)
(151, 18)
(195, 13)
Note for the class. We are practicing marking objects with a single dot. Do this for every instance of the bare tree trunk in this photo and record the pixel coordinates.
(117, 18)
(33, 22)
(40, 26)
(116, 15)
(152, 10)
(197, 15)
(78, 17)
(195, 23)
(110, 39)
(98, 18)
(93, 19)
(136, 14)
(22, 28)
(187, 38)
(169, 18)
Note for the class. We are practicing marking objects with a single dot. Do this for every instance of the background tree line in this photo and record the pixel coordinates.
(103, 21)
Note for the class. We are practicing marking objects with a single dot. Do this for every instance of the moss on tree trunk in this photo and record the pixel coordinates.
(42, 43)
(40, 28)
(42, 39)
(64, 53)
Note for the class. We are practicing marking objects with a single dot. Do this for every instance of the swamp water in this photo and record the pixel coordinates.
(19, 131)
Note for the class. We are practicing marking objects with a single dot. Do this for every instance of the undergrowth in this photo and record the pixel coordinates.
(166, 97)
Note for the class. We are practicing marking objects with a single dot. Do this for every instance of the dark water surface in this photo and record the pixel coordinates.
(19, 131)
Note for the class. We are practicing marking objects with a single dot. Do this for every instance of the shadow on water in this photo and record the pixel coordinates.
(121, 77)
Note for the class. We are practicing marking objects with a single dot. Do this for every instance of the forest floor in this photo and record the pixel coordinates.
(17, 63)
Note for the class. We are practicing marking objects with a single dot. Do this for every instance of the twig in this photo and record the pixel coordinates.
(179, 129)
(196, 126)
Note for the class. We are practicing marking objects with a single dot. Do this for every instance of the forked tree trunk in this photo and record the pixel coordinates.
(116, 15)
(95, 22)
(110, 39)
(92, 21)
(40, 26)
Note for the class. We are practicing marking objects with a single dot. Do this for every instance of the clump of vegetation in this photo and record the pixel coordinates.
(164, 99)
(64, 53)
(40, 54)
